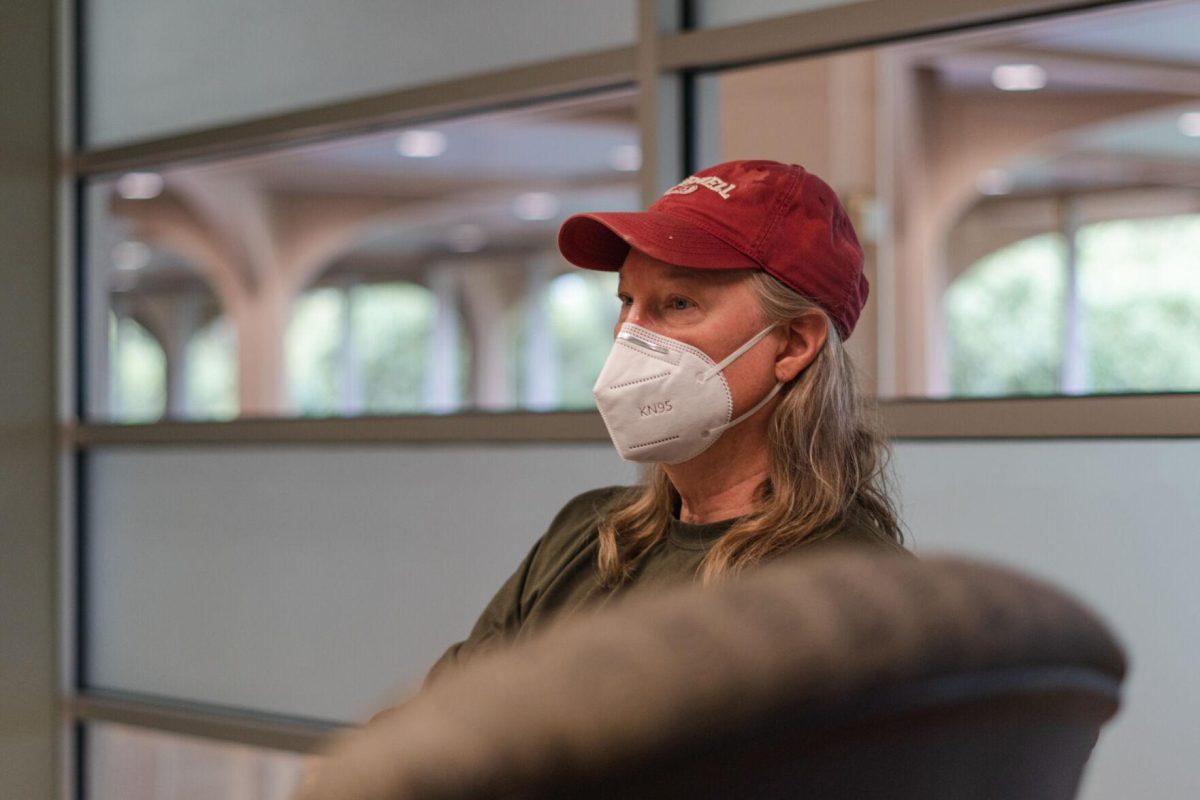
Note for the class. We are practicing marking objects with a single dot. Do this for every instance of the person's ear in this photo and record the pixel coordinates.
(805, 337)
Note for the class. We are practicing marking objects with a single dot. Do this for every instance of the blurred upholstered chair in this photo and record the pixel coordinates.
(835, 675)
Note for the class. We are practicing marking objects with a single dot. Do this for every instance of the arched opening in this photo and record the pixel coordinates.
(368, 348)
(1138, 295)
(212, 371)
(582, 308)
(1003, 321)
(1140, 286)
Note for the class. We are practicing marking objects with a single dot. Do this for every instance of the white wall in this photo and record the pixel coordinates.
(1116, 522)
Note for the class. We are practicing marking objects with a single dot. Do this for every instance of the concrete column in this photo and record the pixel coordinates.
(442, 368)
(177, 370)
(350, 385)
(936, 349)
(1074, 377)
(113, 406)
(489, 292)
(172, 320)
(257, 249)
(261, 319)
(540, 356)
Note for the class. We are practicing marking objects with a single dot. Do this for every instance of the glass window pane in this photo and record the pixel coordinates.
(408, 271)
(139, 373)
(247, 577)
(992, 350)
(1025, 196)
(1141, 300)
(128, 763)
(155, 67)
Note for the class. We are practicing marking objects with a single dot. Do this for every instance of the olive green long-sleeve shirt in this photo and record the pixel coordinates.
(558, 576)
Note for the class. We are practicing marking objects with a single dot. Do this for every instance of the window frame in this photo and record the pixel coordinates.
(667, 51)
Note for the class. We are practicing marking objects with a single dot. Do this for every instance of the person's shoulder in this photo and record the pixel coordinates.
(860, 531)
(597, 498)
(587, 507)
(571, 534)
(864, 536)
(573, 527)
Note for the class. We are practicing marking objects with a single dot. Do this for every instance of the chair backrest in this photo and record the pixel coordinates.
(1021, 733)
(838, 675)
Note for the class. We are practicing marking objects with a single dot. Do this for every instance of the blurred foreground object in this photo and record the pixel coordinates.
(835, 676)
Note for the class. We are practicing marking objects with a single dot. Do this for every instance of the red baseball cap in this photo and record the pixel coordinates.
(779, 218)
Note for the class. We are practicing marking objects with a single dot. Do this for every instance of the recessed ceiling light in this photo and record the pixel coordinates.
(1018, 77)
(1189, 123)
(421, 143)
(535, 206)
(130, 256)
(993, 182)
(625, 158)
(140, 185)
(467, 238)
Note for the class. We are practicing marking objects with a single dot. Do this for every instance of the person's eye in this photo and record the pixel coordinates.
(680, 303)
(625, 299)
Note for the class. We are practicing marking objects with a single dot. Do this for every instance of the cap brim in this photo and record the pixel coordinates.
(602, 240)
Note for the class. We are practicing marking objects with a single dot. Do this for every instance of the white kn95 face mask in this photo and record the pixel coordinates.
(663, 400)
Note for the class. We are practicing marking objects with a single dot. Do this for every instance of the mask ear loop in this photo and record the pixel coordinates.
(774, 391)
(729, 359)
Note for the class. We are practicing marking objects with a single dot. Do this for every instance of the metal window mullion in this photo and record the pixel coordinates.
(466, 427)
(660, 124)
(839, 27)
(269, 731)
(1129, 415)
(68, 386)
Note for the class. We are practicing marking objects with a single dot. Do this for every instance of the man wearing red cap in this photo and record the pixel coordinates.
(728, 379)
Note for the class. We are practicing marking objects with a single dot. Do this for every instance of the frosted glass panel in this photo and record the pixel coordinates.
(1116, 523)
(714, 13)
(125, 763)
(314, 580)
(307, 580)
(154, 67)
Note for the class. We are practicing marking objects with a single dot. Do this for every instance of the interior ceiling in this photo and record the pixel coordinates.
(560, 144)
(503, 228)
(1156, 31)
(1139, 47)
(563, 148)
(1161, 34)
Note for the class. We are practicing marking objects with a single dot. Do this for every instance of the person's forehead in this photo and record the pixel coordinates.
(668, 273)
